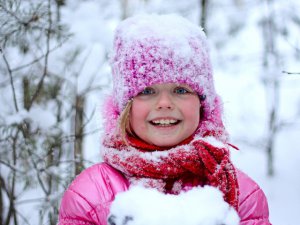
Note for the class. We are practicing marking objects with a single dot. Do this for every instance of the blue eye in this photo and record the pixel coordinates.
(181, 90)
(147, 91)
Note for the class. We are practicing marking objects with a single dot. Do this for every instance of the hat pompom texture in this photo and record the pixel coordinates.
(154, 49)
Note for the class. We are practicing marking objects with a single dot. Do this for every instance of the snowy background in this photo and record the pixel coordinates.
(243, 74)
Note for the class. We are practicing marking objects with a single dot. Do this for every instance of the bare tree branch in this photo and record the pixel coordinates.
(291, 73)
(41, 82)
(11, 81)
(14, 168)
(39, 58)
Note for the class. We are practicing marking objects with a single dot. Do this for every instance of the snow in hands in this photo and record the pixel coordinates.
(198, 206)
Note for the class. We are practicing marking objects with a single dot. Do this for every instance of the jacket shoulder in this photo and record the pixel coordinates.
(253, 205)
(89, 196)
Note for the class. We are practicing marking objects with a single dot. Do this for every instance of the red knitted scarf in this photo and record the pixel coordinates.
(194, 162)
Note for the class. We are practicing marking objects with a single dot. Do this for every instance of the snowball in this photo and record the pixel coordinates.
(199, 206)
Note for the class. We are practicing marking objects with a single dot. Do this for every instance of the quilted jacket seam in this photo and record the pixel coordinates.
(73, 221)
(249, 195)
(89, 212)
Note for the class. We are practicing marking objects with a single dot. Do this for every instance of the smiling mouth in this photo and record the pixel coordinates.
(165, 122)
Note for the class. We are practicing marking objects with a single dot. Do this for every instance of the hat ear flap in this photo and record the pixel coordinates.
(211, 123)
(111, 115)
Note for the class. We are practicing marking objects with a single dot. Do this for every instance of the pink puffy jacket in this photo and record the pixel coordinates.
(88, 199)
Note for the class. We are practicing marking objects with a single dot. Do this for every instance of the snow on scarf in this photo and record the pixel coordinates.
(196, 161)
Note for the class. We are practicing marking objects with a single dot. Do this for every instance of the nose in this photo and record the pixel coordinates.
(164, 101)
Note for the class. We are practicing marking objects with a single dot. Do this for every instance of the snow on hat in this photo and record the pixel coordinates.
(154, 49)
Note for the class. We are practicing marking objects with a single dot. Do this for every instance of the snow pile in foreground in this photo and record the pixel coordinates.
(199, 206)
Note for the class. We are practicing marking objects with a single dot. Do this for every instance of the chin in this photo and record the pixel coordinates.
(163, 143)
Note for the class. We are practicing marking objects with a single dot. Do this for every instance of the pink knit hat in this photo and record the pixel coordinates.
(154, 49)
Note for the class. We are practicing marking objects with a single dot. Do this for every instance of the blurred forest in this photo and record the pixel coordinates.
(54, 73)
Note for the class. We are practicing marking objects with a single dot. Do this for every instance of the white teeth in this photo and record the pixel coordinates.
(164, 122)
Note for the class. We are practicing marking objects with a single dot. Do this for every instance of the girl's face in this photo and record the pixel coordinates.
(165, 114)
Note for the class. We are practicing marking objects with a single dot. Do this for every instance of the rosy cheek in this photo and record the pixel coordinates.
(138, 114)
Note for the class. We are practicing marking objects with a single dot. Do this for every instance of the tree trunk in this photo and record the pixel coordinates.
(59, 4)
(26, 93)
(11, 215)
(203, 16)
(271, 65)
(124, 5)
(2, 186)
(80, 100)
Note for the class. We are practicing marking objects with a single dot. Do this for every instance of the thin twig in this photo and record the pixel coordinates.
(39, 178)
(40, 57)
(11, 80)
(291, 73)
(11, 167)
(41, 82)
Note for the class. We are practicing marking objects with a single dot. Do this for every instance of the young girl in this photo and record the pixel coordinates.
(163, 125)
